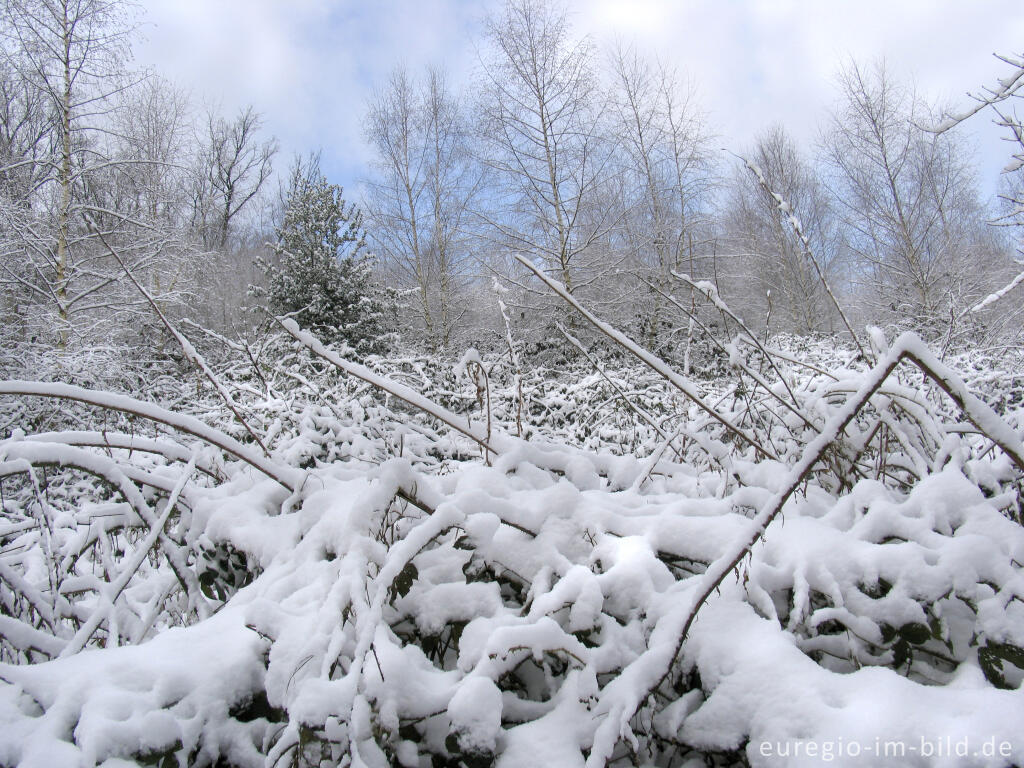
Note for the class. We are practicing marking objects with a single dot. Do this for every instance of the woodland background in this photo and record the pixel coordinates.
(567, 437)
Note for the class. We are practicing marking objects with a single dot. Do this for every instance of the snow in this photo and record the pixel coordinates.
(560, 606)
(992, 298)
(679, 382)
(387, 385)
(287, 476)
(117, 702)
(766, 690)
(475, 714)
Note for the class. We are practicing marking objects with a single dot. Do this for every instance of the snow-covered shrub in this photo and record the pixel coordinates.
(636, 583)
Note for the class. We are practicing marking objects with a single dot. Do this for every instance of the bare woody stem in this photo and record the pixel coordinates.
(805, 245)
(907, 347)
(651, 361)
(288, 477)
(185, 344)
(393, 388)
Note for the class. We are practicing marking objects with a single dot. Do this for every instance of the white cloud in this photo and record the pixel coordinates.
(310, 65)
(763, 61)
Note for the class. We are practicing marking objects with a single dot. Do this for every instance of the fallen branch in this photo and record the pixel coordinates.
(622, 396)
(392, 387)
(289, 477)
(109, 471)
(125, 442)
(907, 347)
(186, 346)
(648, 359)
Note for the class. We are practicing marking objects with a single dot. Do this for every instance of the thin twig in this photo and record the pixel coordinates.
(186, 346)
(651, 361)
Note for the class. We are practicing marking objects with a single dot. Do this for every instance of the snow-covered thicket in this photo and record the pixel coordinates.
(265, 553)
(820, 549)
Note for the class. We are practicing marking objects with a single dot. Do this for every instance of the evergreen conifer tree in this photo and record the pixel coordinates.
(321, 271)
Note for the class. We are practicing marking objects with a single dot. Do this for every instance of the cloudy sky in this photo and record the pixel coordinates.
(309, 66)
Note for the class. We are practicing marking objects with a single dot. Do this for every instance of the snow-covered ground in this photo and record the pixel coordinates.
(565, 578)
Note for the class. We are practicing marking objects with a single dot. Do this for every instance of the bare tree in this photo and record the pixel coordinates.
(150, 186)
(1002, 100)
(909, 202)
(667, 172)
(153, 126)
(96, 156)
(25, 126)
(541, 112)
(232, 171)
(418, 200)
(68, 58)
(772, 264)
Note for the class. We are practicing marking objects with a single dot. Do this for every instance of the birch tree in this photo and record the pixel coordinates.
(418, 199)
(668, 176)
(96, 161)
(909, 202)
(541, 113)
(67, 55)
(773, 266)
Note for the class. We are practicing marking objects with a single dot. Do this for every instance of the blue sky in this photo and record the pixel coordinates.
(309, 66)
